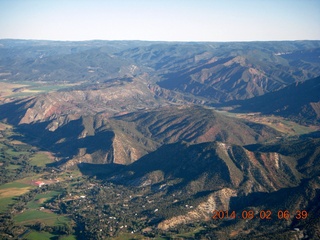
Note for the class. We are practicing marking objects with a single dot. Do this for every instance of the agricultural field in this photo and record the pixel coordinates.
(5, 202)
(29, 206)
(30, 217)
(40, 159)
(25, 88)
(23, 167)
(36, 235)
(41, 199)
(9, 191)
(17, 159)
(7, 89)
(41, 221)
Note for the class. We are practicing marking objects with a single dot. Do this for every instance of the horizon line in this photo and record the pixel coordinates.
(168, 41)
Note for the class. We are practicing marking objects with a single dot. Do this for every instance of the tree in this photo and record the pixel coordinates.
(39, 226)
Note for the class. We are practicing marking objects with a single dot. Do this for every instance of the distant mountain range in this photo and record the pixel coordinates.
(224, 72)
(218, 72)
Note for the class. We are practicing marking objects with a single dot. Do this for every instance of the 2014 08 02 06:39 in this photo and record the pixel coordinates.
(262, 214)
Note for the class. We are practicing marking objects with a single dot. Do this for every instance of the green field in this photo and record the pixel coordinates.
(190, 234)
(13, 167)
(70, 237)
(40, 199)
(15, 153)
(14, 185)
(9, 191)
(33, 216)
(47, 195)
(39, 236)
(40, 159)
(4, 203)
(13, 150)
(34, 235)
(48, 88)
(31, 88)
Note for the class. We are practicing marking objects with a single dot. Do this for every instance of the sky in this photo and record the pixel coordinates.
(160, 20)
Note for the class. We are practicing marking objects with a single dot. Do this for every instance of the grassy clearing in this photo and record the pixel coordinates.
(70, 237)
(25, 88)
(32, 216)
(11, 190)
(15, 153)
(4, 203)
(47, 195)
(34, 235)
(7, 89)
(22, 94)
(66, 175)
(28, 180)
(40, 159)
(61, 220)
(14, 148)
(7, 196)
(31, 88)
(49, 88)
(39, 236)
(15, 184)
(40, 199)
(13, 167)
(190, 234)
(34, 205)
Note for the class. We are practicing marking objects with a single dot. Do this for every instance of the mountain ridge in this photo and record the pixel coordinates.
(219, 72)
(299, 101)
(135, 134)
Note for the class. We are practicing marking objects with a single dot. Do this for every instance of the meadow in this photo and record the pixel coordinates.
(9, 191)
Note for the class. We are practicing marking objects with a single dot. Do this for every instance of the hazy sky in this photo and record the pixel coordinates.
(168, 20)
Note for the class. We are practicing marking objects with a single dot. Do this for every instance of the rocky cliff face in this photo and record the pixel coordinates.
(218, 200)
